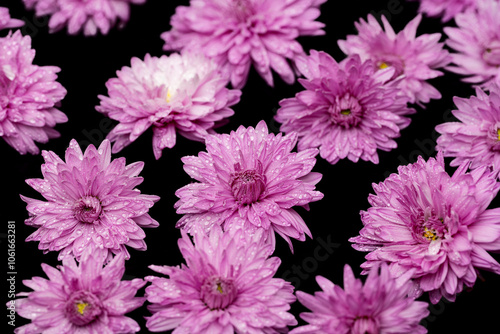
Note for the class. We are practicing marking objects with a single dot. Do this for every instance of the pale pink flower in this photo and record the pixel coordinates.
(29, 96)
(380, 305)
(226, 286)
(422, 219)
(414, 58)
(90, 16)
(448, 9)
(84, 298)
(240, 33)
(249, 178)
(181, 93)
(6, 22)
(348, 110)
(92, 203)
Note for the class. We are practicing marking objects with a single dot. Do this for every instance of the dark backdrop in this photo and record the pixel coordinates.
(88, 62)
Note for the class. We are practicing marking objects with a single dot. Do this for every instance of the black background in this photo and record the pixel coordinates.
(88, 62)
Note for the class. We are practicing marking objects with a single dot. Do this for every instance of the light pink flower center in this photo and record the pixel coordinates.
(491, 54)
(346, 111)
(83, 307)
(493, 135)
(364, 325)
(217, 293)
(391, 61)
(247, 185)
(87, 209)
(428, 227)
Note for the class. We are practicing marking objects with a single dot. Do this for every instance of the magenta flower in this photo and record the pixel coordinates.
(29, 95)
(424, 220)
(448, 9)
(348, 110)
(249, 178)
(416, 58)
(90, 16)
(92, 203)
(84, 298)
(179, 93)
(6, 22)
(381, 305)
(476, 138)
(226, 286)
(477, 42)
(242, 33)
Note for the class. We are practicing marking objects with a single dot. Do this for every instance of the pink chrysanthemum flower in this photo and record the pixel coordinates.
(448, 9)
(249, 178)
(177, 93)
(381, 305)
(84, 298)
(92, 203)
(476, 138)
(477, 41)
(424, 220)
(226, 286)
(416, 58)
(29, 95)
(348, 109)
(242, 33)
(90, 16)
(6, 22)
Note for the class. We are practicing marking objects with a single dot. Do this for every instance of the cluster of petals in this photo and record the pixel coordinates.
(91, 16)
(437, 225)
(6, 22)
(181, 93)
(415, 58)
(381, 305)
(80, 298)
(347, 110)
(446, 9)
(29, 96)
(476, 137)
(91, 203)
(251, 179)
(240, 33)
(476, 40)
(226, 286)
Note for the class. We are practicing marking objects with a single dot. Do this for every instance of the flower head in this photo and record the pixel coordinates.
(226, 286)
(476, 138)
(240, 33)
(92, 203)
(448, 9)
(348, 109)
(424, 220)
(415, 58)
(81, 298)
(249, 178)
(29, 95)
(381, 305)
(90, 16)
(477, 42)
(6, 22)
(177, 93)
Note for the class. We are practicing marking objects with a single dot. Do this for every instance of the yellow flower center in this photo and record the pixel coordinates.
(383, 65)
(345, 112)
(498, 134)
(169, 96)
(219, 288)
(430, 234)
(81, 307)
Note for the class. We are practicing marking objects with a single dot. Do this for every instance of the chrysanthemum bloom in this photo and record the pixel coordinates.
(448, 9)
(84, 298)
(6, 21)
(477, 41)
(29, 95)
(92, 203)
(226, 286)
(242, 33)
(249, 178)
(476, 138)
(422, 219)
(381, 306)
(348, 109)
(416, 58)
(177, 93)
(90, 16)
